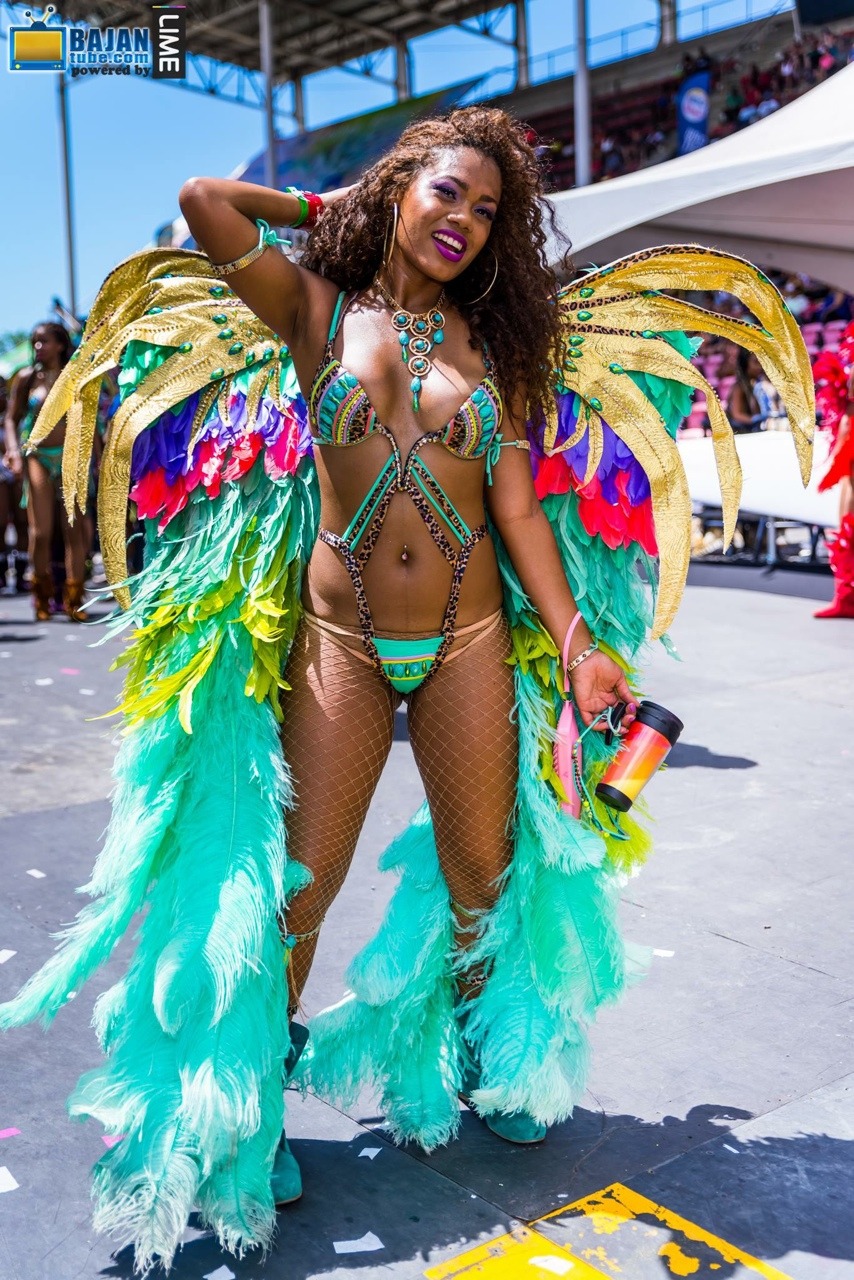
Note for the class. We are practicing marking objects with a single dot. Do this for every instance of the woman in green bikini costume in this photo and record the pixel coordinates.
(402, 594)
(386, 472)
(42, 472)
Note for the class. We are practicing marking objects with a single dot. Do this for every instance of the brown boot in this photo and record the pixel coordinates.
(73, 599)
(42, 595)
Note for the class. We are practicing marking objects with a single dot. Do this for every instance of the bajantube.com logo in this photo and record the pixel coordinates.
(158, 50)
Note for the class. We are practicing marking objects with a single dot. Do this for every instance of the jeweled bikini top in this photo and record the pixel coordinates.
(341, 413)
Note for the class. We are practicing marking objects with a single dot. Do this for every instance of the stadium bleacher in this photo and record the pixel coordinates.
(635, 111)
(633, 114)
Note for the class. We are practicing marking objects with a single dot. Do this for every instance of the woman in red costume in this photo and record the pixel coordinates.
(834, 383)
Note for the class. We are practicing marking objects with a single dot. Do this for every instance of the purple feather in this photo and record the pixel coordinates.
(165, 442)
(637, 486)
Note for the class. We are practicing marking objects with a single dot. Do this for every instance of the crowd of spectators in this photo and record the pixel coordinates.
(750, 93)
(802, 64)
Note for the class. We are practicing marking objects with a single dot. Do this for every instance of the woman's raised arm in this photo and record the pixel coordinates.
(221, 215)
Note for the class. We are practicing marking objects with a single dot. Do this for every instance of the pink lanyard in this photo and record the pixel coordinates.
(569, 631)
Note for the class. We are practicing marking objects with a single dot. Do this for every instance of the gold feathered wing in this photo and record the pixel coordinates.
(173, 299)
(615, 320)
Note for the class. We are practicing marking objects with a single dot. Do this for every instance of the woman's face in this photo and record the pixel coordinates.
(754, 368)
(446, 212)
(46, 346)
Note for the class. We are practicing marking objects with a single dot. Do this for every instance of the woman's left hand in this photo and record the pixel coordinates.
(598, 683)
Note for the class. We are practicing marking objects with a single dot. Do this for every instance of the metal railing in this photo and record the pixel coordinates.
(693, 23)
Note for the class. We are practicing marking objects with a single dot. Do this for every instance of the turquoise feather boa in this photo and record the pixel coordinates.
(196, 1033)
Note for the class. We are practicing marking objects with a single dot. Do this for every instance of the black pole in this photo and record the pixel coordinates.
(66, 168)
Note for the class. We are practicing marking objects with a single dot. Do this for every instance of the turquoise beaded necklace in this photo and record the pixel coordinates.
(417, 333)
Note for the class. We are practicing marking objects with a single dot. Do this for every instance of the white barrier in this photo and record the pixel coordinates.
(772, 482)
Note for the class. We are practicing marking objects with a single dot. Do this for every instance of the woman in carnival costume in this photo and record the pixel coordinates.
(834, 382)
(42, 472)
(409, 467)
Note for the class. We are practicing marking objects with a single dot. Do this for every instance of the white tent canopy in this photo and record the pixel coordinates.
(780, 193)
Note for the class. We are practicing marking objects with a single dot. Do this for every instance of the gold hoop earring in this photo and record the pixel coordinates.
(470, 302)
(388, 248)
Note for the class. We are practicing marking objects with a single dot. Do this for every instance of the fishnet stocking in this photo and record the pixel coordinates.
(465, 746)
(338, 730)
(337, 733)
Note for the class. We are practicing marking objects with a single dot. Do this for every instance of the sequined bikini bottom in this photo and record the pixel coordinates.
(406, 661)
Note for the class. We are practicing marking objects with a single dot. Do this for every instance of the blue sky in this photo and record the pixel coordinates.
(134, 143)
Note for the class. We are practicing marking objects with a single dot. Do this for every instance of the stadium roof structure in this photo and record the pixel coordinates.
(307, 35)
(779, 193)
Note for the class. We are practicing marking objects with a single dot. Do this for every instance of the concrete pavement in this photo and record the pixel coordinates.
(717, 1134)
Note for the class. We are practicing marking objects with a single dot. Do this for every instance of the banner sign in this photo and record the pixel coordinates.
(692, 112)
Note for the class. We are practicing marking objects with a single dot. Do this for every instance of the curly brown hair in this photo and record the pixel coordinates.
(347, 244)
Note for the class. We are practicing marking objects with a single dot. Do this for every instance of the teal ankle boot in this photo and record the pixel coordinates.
(516, 1126)
(512, 1126)
(286, 1179)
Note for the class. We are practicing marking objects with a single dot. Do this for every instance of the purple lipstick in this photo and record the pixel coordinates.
(450, 244)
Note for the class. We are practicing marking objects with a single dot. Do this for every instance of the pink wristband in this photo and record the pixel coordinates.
(569, 633)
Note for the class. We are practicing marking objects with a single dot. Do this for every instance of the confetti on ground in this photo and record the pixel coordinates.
(6, 955)
(45, 680)
(6, 654)
(221, 1273)
(735, 1151)
(553, 1264)
(367, 1243)
(35, 873)
(370, 1152)
(86, 692)
(666, 954)
(7, 1182)
(9, 1133)
(111, 1139)
(70, 639)
(69, 671)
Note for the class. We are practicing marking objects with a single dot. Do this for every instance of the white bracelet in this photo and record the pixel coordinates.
(582, 657)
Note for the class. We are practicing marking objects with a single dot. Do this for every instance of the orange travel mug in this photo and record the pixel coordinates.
(643, 750)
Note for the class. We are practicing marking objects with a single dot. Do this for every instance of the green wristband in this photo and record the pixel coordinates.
(303, 205)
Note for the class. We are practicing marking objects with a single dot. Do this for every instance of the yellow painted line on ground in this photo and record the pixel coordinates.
(616, 1213)
(618, 1206)
(522, 1255)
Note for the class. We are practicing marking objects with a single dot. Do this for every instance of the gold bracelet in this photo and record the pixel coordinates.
(265, 239)
(582, 657)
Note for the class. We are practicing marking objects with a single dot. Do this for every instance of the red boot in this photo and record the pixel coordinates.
(841, 555)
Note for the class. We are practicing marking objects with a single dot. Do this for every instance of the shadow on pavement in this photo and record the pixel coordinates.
(770, 1198)
(689, 755)
(766, 1196)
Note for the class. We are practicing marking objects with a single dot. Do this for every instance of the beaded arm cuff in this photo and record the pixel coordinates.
(266, 238)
